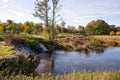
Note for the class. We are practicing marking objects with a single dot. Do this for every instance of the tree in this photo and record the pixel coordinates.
(38, 28)
(42, 11)
(28, 27)
(98, 27)
(55, 7)
(112, 33)
(90, 28)
(1, 28)
(81, 29)
(118, 33)
(101, 28)
(63, 23)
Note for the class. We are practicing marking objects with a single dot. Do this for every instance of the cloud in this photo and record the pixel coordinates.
(5, 1)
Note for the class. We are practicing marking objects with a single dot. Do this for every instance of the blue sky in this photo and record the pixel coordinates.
(74, 12)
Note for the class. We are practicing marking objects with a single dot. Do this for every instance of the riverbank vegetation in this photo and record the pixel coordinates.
(82, 75)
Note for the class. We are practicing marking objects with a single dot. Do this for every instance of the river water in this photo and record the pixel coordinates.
(60, 62)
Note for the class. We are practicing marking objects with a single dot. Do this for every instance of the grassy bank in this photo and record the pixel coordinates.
(105, 40)
(98, 75)
(6, 51)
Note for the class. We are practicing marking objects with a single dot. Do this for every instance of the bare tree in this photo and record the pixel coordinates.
(55, 7)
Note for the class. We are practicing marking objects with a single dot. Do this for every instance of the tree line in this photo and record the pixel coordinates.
(98, 27)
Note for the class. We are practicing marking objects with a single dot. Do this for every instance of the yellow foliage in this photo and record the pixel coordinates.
(1, 27)
(112, 33)
(118, 33)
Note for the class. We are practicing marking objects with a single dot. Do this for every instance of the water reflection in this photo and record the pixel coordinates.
(46, 64)
(67, 61)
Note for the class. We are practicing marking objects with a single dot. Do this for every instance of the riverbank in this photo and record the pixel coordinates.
(76, 43)
(82, 75)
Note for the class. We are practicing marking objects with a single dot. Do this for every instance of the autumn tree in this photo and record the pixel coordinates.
(112, 33)
(1, 28)
(118, 33)
(42, 11)
(38, 28)
(28, 27)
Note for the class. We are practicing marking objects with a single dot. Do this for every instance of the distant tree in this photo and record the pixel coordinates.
(38, 28)
(118, 33)
(98, 27)
(63, 23)
(1, 28)
(57, 29)
(28, 27)
(112, 33)
(81, 30)
(118, 28)
(101, 28)
(90, 28)
(9, 21)
(71, 29)
(113, 28)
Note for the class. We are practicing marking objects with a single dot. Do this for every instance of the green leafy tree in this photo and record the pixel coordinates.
(98, 27)
(38, 28)
(28, 27)
(101, 28)
(90, 28)
(81, 30)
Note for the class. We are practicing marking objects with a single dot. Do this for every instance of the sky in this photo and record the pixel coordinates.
(73, 12)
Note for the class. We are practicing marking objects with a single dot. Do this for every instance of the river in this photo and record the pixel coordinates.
(60, 62)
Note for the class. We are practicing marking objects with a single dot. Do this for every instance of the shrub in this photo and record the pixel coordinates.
(22, 63)
(112, 33)
(118, 33)
(14, 39)
(33, 43)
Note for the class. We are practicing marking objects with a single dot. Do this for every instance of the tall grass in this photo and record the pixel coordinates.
(6, 50)
(98, 75)
(105, 40)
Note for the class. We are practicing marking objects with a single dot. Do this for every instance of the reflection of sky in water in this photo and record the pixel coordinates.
(69, 61)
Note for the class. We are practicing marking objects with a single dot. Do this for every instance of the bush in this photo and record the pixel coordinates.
(33, 43)
(24, 64)
(118, 33)
(112, 33)
(14, 39)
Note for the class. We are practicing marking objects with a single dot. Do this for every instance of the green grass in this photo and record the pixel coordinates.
(98, 75)
(6, 50)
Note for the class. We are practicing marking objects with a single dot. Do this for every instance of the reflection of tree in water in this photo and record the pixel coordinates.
(99, 50)
(46, 63)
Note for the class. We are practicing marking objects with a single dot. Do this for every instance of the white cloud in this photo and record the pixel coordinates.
(5, 1)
